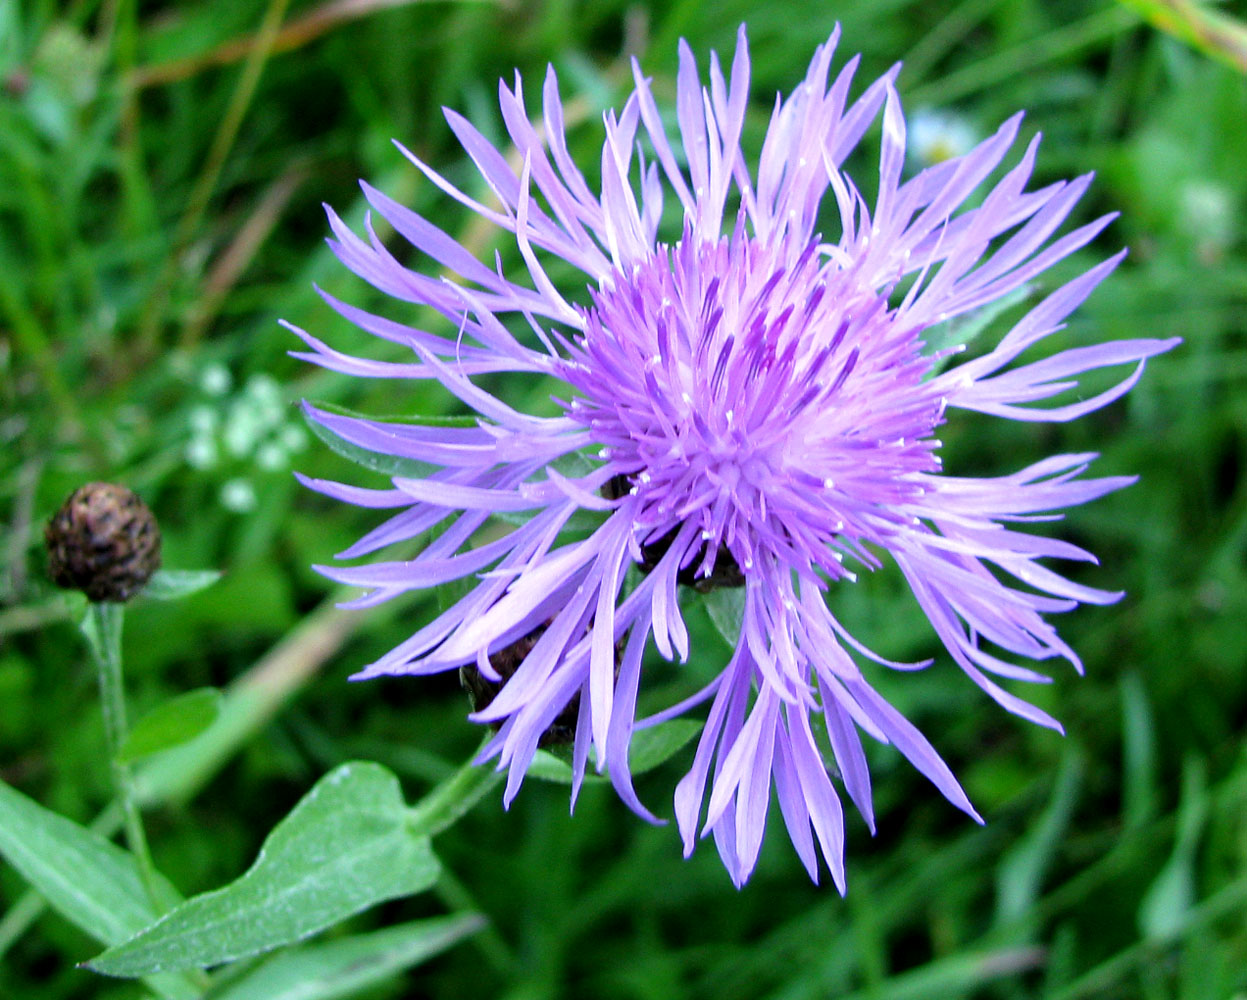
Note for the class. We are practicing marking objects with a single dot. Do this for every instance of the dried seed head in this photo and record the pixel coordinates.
(103, 541)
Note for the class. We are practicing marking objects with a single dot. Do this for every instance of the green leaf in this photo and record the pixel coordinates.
(1140, 783)
(1166, 907)
(415, 419)
(547, 766)
(342, 968)
(582, 520)
(655, 745)
(345, 847)
(88, 880)
(726, 607)
(1212, 32)
(169, 725)
(964, 330)
(573, 465)
(1019, 877)
(172, 584)
(577, 464)
(650, 747)
(387, 465)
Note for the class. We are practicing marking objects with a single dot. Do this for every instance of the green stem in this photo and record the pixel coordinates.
(103, 631)
(17, 918)
(452, 799)
(178, 774)
(492, 946)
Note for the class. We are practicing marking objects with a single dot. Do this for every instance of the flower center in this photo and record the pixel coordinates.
(744, 385)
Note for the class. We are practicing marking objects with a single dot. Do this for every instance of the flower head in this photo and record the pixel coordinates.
(104, 541)
(753, 402)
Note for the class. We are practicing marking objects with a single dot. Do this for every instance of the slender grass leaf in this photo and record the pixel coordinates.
(1167, 904)
(1212, 32)
(172, 584)
(345, 847)
(88, 880)
(342, 968)
(177, 721)
(958, 975)
(1140, 785)
(1021, 872)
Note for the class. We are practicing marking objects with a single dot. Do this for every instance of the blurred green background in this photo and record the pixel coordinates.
(162, 167)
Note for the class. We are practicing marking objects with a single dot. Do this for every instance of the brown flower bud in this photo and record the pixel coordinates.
(103, 541)
(724, 573)
(506, 661)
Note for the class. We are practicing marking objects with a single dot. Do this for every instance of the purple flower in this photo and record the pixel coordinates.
(747, 400)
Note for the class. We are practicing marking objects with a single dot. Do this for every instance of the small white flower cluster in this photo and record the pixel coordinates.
(250, 426)
(1206, 214)
(936, 136)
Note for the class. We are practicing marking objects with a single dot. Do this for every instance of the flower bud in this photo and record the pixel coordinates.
(103, 541)
(506, 661)
(481, 691)
(724, 573)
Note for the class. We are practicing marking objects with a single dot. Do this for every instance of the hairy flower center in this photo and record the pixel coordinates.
(727, 383)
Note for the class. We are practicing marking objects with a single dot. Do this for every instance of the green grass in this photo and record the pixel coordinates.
(160, 193)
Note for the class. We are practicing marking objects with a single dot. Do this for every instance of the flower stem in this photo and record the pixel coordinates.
(103, 632)
(453, 798)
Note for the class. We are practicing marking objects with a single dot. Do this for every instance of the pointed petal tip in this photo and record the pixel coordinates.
(371, 673)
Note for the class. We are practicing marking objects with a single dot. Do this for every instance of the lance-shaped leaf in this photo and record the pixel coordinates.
(324, 420)
(88, 880)
(343, 968)
(345, 847)
(173, 584)
(177, 721)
